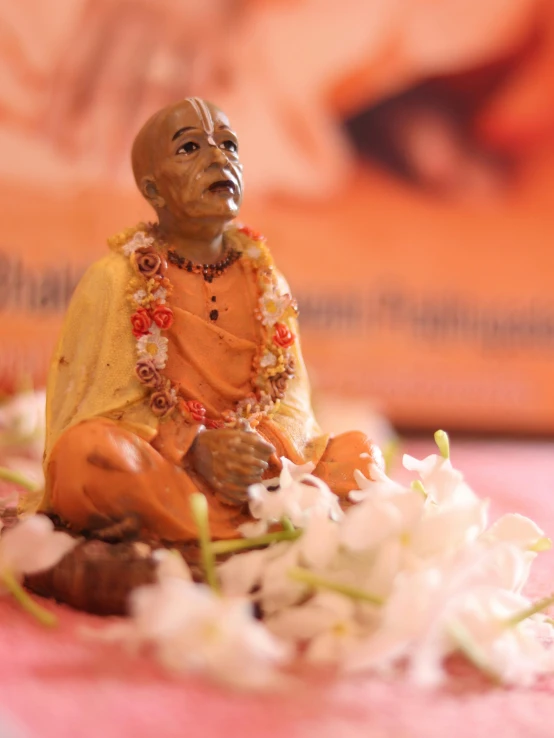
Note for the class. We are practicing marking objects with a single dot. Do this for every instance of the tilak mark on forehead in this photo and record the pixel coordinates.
(204, 116)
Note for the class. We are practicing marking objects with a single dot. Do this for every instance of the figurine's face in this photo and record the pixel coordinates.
(196, 167)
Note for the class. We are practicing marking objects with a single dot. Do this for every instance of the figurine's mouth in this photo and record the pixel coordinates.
(223, 186)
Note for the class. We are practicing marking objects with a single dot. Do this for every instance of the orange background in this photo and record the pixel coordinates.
(371, 262)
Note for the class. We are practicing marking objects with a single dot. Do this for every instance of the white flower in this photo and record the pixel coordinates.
(268, 359)
(253, 251)
(191, 629)
(443, 484)
(520, 531)
(153, 346)
(403, 579)
(32, 546)
(139, 296)
(378, 484)
(139, 240)
(277, 590)
(23, 425)
(272, 306)
(242, 572)
(373, 521)
(407, 619)
(443, 530)
(160, 295)
(327, 624)
(171, 564)
(512, 653)
(298, 496)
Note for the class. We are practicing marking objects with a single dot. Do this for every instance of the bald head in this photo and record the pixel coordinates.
(181, 154)
(193, 112)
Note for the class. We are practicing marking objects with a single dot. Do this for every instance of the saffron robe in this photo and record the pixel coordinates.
(107, 455)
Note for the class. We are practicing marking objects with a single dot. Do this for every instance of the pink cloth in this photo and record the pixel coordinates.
(58, 684)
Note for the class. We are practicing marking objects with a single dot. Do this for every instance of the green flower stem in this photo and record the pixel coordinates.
(307, 577)
(45, 617)
(443, 442)
(199, 506)
(287, 525)
(9, 475)
(536, 607)
(472, 652)
(541, 544)
(417, 486)
(390, 452)
(244, 544)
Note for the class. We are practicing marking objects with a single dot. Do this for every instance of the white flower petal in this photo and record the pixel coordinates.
(240, 573)
(516, 529)
(32, 546)
(171, 564)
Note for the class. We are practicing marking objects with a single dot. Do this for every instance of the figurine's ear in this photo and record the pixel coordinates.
(150, 192)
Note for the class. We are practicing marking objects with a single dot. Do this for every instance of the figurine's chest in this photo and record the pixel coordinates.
(229, 302)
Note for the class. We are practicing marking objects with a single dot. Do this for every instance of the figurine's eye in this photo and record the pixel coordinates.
(229, 146)
(188, 148)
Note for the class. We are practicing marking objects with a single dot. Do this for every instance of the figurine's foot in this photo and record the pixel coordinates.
(97, 576)
(100, 573)
(127, 529)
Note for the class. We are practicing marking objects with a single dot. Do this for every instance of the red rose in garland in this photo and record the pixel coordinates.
(213, 424)
(162, 317)
(141, 322)
(196, 409)
(283, 336)
(251, 233)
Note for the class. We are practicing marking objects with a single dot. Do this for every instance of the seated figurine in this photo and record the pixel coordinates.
(179, 366)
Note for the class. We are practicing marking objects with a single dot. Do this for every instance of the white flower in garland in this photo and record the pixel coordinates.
(253, 252)
(140, 296)
(268, 360)
(153, 346)
(272, 306)
(139, 240)
(160, 295)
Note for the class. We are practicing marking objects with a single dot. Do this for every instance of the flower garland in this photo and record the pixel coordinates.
(152, 316)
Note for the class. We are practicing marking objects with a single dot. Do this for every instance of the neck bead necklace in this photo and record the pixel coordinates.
(208, 271)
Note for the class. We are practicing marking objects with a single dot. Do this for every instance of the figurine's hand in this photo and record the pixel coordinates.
(230, 461)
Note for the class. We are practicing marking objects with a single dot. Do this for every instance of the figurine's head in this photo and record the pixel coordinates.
(186, 163)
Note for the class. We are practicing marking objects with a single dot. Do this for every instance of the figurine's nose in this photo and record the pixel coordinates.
(217, 155)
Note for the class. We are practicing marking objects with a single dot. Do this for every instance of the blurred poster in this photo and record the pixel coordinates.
(398, 156)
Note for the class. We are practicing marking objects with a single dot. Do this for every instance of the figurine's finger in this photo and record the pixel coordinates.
(232, 494)
(260, 445)
(246, 465)
(255, 447)
(241, 480)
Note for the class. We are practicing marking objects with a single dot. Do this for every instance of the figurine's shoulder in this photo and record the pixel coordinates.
(104, 278)
(108, 272)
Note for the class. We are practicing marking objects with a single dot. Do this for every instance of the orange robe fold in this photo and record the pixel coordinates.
(101, 473)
